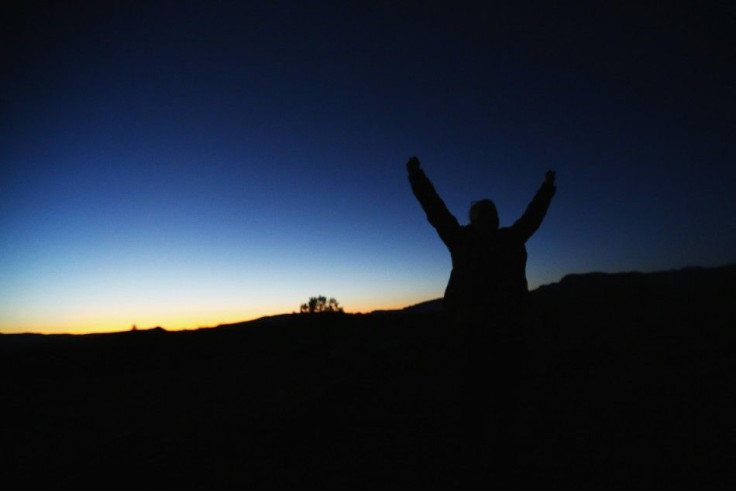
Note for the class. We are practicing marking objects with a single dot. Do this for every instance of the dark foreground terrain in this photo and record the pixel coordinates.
(628, 382)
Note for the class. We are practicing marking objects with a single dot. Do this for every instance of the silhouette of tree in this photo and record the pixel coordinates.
(320, 304)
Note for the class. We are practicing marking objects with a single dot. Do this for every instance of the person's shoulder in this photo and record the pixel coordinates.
(465, 232)
(508, 234)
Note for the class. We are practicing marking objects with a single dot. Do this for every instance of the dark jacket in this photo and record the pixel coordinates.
(488, 268)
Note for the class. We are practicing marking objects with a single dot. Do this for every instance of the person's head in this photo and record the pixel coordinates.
(483, 213)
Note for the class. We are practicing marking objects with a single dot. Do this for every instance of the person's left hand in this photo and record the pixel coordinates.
(549, 177)
(413, 165)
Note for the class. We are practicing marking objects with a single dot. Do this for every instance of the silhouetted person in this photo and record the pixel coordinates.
(486, 296)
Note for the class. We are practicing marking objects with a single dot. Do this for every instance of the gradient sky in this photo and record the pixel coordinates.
(194, 163)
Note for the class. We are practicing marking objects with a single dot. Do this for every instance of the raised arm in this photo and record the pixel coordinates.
(438, 215)
(537, 209)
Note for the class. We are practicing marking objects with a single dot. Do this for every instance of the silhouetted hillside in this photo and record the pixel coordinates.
(627, 380)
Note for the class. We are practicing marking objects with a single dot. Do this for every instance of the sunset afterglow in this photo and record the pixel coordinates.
(187, 167)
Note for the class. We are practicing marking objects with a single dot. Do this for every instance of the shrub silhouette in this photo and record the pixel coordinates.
(320, 304)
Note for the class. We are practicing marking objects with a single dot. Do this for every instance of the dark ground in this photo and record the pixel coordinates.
(628, 383)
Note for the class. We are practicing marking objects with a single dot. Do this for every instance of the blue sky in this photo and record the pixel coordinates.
(186, 164)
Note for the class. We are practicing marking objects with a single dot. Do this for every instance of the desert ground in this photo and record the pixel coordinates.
(627, 382)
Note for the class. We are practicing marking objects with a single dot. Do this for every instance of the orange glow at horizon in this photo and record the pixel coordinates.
(100, 323)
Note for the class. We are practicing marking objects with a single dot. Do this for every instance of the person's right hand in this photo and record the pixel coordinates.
(413, 165)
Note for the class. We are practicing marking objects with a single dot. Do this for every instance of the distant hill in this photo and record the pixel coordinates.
(701, 284)
(626, 292)
(677, 304)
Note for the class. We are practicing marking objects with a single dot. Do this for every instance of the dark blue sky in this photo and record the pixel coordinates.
(190, 163)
